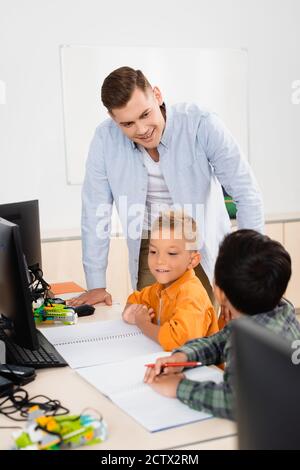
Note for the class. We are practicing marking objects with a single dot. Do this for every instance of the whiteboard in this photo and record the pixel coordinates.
(213, 78)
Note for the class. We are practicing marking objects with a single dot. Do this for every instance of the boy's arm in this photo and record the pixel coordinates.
(128, 314)
(208, 350)
(216, 399)
(143, 319)
(136, 298)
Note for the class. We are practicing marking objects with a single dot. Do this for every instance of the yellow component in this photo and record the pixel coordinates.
(52, 425)
(34, 408)
(89, 436)
(42, 421)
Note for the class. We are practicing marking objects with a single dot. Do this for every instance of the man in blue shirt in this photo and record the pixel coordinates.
(148, 157)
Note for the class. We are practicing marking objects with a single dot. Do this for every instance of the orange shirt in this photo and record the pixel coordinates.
(183, 310)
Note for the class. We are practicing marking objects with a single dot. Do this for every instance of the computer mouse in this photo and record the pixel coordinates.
(84, 310)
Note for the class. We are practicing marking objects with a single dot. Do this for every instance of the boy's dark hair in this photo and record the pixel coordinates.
(119, 85)
(253, 271)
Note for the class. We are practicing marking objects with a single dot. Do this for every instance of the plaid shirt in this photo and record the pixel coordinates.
(218, 399)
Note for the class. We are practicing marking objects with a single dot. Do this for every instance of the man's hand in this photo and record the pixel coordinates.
(167, 384)
(161, 369)
(93, 296)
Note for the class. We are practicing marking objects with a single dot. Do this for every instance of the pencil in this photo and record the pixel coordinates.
(177, 364)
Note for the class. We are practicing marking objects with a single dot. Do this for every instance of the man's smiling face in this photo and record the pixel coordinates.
(141, 119)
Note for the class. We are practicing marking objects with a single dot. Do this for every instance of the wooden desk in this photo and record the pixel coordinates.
(124, 433)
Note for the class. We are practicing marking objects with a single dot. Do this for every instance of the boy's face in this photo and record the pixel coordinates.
(141, 119)
(169, 258)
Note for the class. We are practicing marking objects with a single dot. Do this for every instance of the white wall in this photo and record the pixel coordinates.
(31, 123)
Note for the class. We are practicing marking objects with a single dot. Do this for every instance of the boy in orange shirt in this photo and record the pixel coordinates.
(176, 308)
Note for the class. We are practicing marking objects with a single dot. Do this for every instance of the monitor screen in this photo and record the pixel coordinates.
(267, 388)
(26, 215)
(15, 298)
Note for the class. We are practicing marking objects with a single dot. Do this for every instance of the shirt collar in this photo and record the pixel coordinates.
(172, 290)
(165, 138)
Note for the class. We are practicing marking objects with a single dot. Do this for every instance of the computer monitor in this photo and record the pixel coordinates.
(15, 298)
(26, 215)
(267, 388)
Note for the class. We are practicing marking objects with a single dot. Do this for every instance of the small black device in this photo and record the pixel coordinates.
(6, 386)
(19, 375)
(25, 345)
(84, 310)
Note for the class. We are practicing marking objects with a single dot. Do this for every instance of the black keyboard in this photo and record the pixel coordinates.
(45, 356)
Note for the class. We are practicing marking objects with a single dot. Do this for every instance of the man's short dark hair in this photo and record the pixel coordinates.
(253, 271)
(119, 85)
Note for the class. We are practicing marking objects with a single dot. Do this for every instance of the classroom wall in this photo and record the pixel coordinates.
(31, 122)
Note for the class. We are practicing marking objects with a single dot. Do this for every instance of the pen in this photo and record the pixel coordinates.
(177, 364)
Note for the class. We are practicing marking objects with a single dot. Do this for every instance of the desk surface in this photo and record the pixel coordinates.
(124, 433)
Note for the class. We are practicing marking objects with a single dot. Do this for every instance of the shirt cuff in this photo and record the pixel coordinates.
(191, 354)
(95, 280)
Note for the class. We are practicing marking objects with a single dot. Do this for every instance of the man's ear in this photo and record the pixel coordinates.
(109, 112)
(195, 260)
(158, 95)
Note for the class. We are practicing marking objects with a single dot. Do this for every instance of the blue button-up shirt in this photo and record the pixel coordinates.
(197, 155)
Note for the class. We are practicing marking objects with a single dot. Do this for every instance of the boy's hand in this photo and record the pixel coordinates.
(167, 384)
(225, 314)
(128, 314)
(159, 368)
(143, 314)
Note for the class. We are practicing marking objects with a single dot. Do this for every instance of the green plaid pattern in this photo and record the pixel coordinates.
(218, 399)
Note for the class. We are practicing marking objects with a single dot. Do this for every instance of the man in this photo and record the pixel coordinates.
(147, 157)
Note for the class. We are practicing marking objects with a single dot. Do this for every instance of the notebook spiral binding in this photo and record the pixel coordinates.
(99, 338)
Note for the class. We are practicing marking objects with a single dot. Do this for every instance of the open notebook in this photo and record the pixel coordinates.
(123, 383)
(99, 342)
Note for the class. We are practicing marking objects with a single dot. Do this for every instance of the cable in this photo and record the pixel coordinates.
(38, 286)
(18, 401)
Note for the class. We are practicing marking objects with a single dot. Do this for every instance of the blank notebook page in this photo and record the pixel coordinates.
(123, 383)
(99, 342)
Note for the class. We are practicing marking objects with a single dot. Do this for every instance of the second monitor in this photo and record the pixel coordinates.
(26, 215)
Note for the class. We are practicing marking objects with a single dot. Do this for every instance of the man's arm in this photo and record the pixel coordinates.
(233, 171)
(97, 203)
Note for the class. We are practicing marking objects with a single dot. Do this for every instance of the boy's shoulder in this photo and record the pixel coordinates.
(282, 319)
(193, 288)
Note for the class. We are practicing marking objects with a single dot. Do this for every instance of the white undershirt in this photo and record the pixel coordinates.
(158, 197)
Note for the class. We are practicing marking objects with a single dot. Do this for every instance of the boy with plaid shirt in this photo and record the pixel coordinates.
(251, 275)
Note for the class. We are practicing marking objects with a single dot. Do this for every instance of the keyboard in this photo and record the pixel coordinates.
(45, 356)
